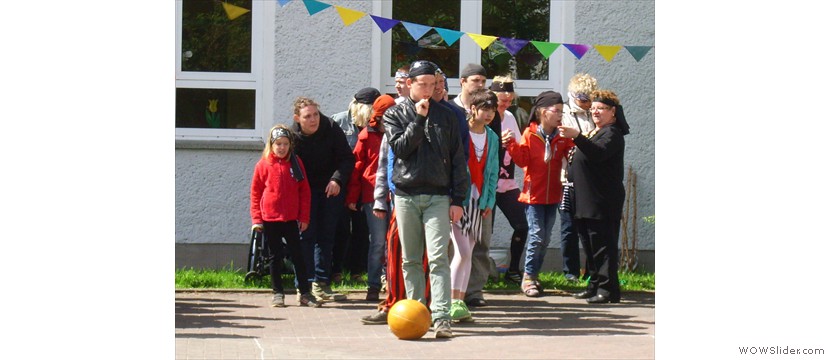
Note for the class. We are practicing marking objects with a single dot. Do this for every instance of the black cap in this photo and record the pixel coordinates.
(545, 99)
(367, 95)
(422, 67)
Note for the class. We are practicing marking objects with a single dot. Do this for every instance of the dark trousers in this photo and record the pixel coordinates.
(514, 211)
(273, 233)
(351, 244)
(599, 240)
(569, 244)
(318, 239)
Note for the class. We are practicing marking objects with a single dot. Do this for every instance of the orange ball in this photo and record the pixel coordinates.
(409, 319)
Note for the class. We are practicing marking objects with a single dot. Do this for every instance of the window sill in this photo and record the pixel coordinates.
(219, 144)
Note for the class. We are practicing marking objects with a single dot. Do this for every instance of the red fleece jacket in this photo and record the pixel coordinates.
(276, 195)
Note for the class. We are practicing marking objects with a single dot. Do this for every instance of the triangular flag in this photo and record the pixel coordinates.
(383, 23)
(482, 40)
(416, 30)
(638, 51)
(578, 50)
(545, 48)
(283, 2)
(608, 51)
(314, 6)
(349, 16)
(234, 11)
(513, 45)
(450, 36)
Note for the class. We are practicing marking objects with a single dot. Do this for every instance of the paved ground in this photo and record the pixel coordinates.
(242, 325)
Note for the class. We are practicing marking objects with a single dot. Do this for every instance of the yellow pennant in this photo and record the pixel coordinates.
(608, 51)
(349, 16)
(234, 11)
(482, 40)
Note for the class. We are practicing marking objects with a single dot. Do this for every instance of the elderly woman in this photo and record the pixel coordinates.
(597, 173)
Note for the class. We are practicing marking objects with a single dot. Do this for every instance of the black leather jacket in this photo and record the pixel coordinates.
(427, 162)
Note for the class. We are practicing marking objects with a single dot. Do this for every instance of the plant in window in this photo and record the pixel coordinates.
(212, 113)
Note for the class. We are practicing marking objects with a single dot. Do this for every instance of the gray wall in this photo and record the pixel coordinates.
(317, 56)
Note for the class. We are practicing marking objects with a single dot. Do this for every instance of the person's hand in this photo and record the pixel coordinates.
(303, 226)
(422, 107)
(455, 213)
(507, 136)
(568, 132)
(332, 189)
(380, 214)
(486, 212)
(256, 227)
(352, 206)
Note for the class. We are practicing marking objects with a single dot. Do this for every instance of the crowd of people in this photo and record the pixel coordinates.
(405, 188)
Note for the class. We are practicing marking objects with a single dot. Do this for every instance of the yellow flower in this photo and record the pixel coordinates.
(213, 105)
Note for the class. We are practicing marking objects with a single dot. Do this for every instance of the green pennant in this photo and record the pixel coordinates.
(545, 48)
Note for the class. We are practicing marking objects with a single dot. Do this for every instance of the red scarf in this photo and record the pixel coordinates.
(477, 166)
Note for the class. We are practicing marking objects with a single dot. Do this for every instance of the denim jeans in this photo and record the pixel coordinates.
(377, 246)
(569, 244)
(540, 220)
(424, 221)
(318, 240)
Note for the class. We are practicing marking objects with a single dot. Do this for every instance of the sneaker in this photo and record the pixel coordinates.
(378, 318)
(442, 329)
(513, 276)
(278, 300)
(459, 311)
(323, 292)
(308, 300)
(372, 295)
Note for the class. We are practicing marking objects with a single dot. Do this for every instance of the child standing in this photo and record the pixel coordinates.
(280, 206)
(540, 155)
(483, 165)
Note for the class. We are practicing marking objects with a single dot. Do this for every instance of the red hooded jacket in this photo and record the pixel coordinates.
(542, 183)
(276, 195)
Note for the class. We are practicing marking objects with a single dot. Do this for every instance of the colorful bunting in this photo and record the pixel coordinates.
(450, 36)
(234, 11)
(578, 50)
(638, 51)
(416, 30)
(314, 6)
(349, 16)
(482, 40)
(513, 45)
(608, 51)
(545, 48)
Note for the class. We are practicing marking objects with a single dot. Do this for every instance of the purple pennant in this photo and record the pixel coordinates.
(577, 49)
(513, 45)
(383, 23)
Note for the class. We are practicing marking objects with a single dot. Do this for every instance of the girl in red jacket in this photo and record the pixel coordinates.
(280, 206)
(540, 154)
(361, 191)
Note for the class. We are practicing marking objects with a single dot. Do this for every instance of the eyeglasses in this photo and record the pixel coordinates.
(553, 110)
(599, 108)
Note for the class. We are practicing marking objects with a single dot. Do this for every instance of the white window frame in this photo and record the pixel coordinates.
(560, 69)
(260, 79)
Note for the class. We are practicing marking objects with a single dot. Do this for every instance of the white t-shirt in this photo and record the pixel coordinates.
(479, 141)
(509, 122)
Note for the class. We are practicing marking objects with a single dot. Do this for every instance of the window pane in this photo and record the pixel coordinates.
(211, 41)
(518, 19)
(215, 108)
(405, 50)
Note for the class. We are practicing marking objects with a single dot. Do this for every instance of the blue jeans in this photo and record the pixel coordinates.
(540, 220)
(569, 244)
(424, 222)
(377, 246)
(318, 240)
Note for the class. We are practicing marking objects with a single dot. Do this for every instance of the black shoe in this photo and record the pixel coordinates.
(585, 295)
(602, 299)
(476, 302)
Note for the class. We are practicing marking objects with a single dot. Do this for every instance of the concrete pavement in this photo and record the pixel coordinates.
(242, 325)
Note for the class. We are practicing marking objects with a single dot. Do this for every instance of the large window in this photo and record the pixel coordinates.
(538, 20)
(219, 75)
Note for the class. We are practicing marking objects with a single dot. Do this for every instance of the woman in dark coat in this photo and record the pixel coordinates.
(597, 174)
